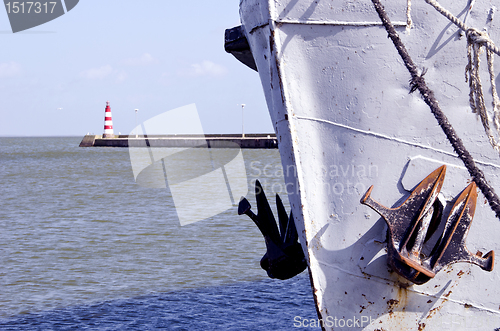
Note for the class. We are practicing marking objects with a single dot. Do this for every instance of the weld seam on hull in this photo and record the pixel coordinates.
(382, 136)
(337, 23)
(451, 165)
(286, 103)
(258, 27)
(304, 207)
(382, 280)
(332, 23)
(379, 279)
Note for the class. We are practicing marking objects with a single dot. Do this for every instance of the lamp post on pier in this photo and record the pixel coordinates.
(242, 121)
(136, 123)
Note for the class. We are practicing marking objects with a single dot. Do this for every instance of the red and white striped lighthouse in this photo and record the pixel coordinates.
(108, 123)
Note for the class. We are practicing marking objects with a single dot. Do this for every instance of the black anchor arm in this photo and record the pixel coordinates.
(282, 218)
(291, 233)
(265, 215)
(244, 208)
(264, 219)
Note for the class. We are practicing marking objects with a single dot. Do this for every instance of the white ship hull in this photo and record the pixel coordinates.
(338, 95)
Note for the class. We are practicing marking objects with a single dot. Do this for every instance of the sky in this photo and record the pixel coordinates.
(154, 56)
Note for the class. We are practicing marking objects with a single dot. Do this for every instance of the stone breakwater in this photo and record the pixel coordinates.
(265, 141)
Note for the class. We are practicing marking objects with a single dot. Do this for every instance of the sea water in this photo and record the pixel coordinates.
(82, 246)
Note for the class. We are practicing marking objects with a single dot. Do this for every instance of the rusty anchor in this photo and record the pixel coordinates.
(413, 223)
(284, 258)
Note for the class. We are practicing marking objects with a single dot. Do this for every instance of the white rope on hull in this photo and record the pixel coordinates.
(409, 22)
(476, 40)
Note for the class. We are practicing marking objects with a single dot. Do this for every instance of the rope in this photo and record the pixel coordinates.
(409, 22)
(496, 100)
(476, 95)
(477, 35)
(476, 40)
(418, 82)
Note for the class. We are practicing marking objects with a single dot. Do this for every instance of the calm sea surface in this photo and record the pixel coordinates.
(82, 246)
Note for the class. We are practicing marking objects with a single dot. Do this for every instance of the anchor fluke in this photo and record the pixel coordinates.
(413, 223)
(452, 244)
(284, 258)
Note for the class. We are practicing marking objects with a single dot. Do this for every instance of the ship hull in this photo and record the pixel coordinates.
(338, 96)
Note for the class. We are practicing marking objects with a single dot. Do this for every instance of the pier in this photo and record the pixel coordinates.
(263, 141)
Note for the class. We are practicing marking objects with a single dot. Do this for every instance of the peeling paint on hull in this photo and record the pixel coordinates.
(338, 98)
